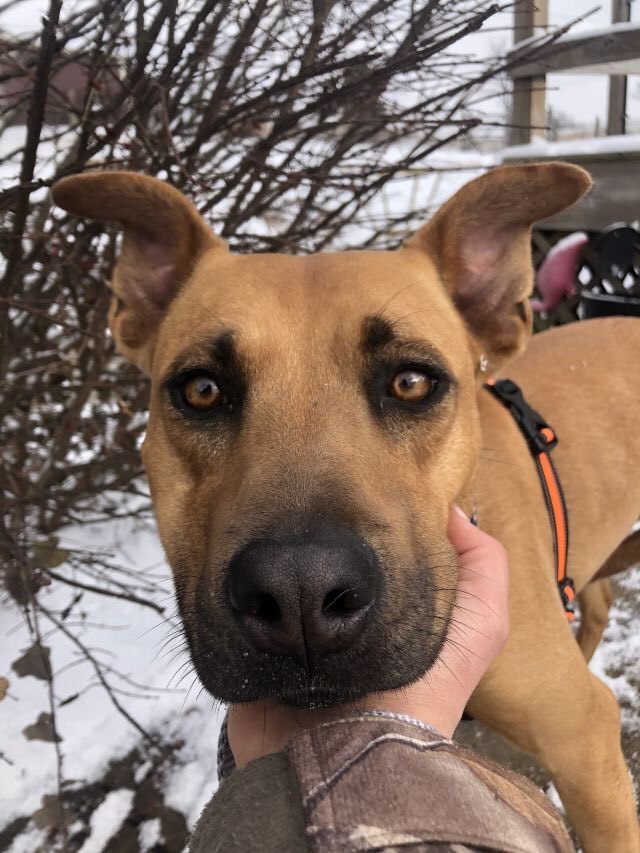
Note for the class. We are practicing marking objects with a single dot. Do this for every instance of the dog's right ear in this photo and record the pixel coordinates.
(164, 235)
(480, 242)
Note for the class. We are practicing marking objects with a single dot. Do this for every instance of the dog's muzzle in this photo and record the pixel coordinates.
(306, 596)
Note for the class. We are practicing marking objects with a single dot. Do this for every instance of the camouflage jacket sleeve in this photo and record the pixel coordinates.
(378, 782)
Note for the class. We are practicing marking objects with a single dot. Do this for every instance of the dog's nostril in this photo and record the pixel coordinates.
(261, 605)
(344, 602)
(267, 609)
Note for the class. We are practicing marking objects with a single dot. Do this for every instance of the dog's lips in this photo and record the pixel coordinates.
(346, 677)
(259, 676)
(396, 648)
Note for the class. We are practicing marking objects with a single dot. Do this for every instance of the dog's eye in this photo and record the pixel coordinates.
(412, 386)
(202, 393)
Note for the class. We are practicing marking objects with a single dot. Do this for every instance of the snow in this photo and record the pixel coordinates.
(29, 841)
(617, 658)
(141, 772)
(540, 147)
(127, 637)
(149, 834)
(107, 819)
(580, 33)
(554, 796)
(194, 777)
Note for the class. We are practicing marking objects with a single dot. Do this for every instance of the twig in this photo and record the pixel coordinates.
(110, 593)
(99, 674)
(34, 129)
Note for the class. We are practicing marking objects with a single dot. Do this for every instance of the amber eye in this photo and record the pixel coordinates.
(201, 392)
(412, 386)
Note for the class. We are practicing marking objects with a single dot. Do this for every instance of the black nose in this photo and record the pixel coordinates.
(306, 596)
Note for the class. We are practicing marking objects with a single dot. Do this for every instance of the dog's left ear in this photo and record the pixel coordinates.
(164, 237)
(480, 241)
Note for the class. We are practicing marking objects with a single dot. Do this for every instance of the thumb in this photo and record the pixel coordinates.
(471, 543)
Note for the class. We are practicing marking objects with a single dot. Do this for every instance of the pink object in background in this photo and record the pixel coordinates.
(556, 277)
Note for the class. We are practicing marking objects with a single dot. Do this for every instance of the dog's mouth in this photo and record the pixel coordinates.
(240, 674)
(334, 632)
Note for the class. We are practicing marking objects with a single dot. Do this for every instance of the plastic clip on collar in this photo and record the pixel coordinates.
(541, 440)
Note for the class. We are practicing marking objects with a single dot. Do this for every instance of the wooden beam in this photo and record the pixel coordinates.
(569, 53)
(617, 103)
(528, 100)
(611, 69)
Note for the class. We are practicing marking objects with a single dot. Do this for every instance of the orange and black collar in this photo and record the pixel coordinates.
(541, 440)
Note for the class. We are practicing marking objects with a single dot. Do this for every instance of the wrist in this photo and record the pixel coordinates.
(442, 716)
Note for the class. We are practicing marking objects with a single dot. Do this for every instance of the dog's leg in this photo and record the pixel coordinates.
(541, 696)
(590, 773)
(595, 600)
(573, 729)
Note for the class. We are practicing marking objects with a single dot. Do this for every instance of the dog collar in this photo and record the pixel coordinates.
(541, 440)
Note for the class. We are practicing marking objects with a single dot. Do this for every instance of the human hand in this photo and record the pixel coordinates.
(478, 630)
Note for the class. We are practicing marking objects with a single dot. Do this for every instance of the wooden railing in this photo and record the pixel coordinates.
(614, 51)
(614, 163)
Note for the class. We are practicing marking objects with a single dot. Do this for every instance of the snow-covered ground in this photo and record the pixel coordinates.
(145, 671)
(617, 659)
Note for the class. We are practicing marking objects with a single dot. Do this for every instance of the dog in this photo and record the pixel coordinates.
(312, 419)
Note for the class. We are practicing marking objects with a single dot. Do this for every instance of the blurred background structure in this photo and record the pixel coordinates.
(295, 127)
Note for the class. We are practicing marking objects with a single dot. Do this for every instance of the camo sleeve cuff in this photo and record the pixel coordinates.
(378, 782)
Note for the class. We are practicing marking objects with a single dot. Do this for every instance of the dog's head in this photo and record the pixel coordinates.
(312, 419)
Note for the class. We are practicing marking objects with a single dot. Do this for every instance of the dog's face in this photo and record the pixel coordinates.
(337, 438)
(312, 419)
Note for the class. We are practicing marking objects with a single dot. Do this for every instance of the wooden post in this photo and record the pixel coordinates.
(528, 105)
(617, 106)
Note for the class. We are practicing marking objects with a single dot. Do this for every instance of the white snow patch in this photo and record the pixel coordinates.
(540, 147)
(124, 636)
(107, 819)
(193, 779)
(149, 834)
(27, 842)
(141, 772)
(617, 658)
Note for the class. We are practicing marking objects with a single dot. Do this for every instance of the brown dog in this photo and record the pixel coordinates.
(313, 418)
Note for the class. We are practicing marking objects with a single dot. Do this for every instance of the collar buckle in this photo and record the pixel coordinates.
(539, 435)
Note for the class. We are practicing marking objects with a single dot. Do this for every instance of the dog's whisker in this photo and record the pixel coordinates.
(447, 667)
(458, 627)
(184, 701)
